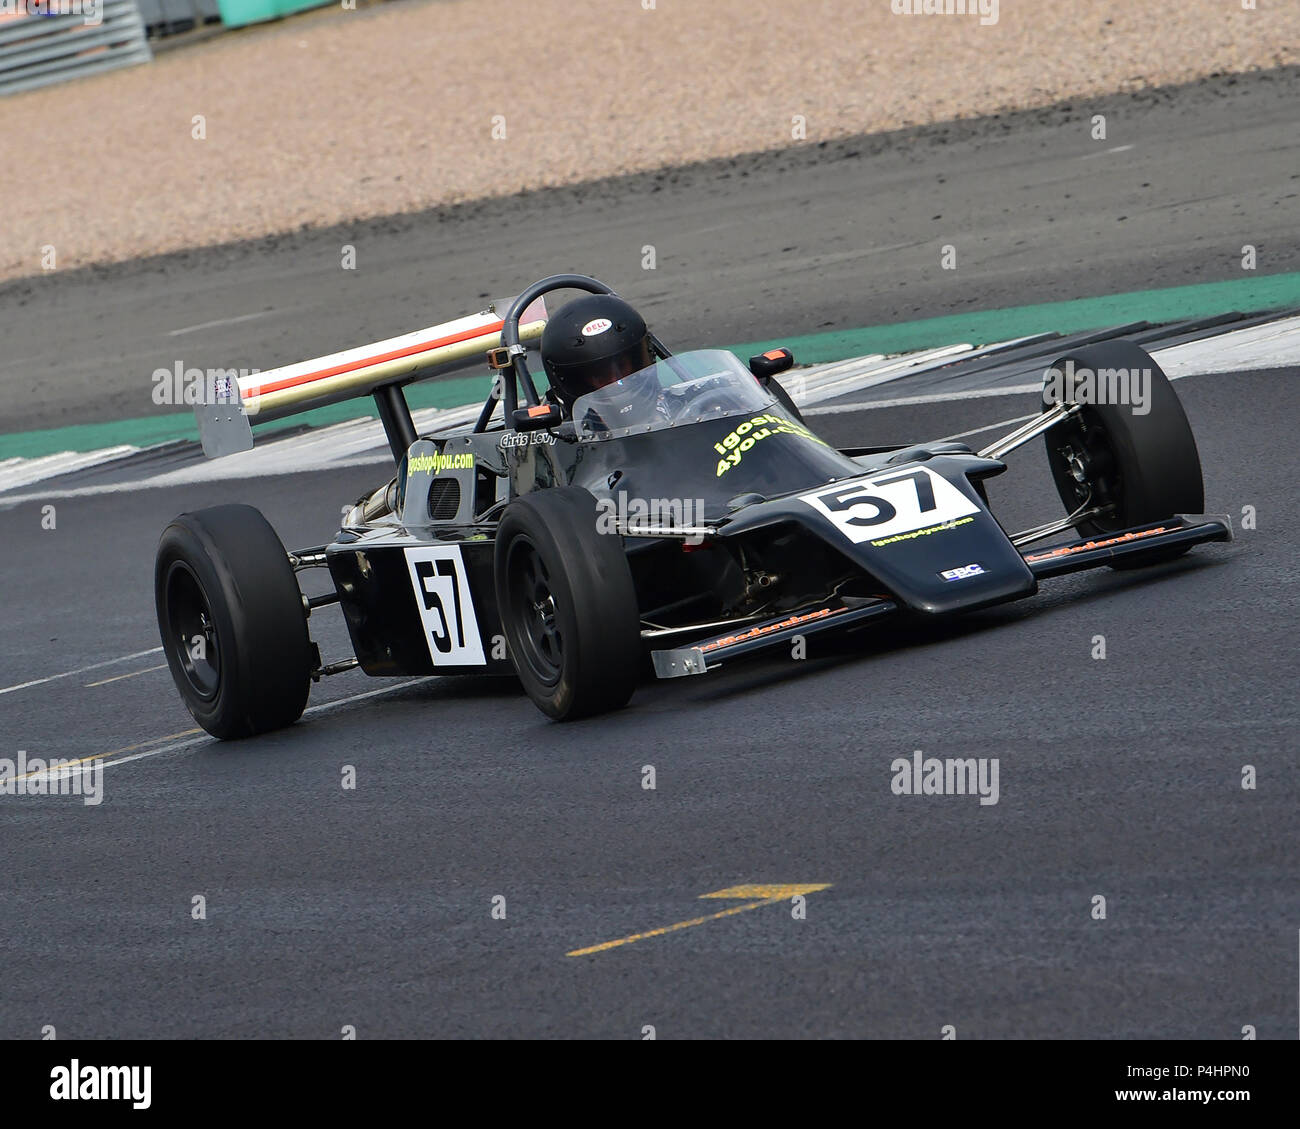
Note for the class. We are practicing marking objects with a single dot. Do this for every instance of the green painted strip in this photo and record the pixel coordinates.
(166, 428)
(1269, 292)
(96, 436)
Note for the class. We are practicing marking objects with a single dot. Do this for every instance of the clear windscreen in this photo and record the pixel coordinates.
(683, 389)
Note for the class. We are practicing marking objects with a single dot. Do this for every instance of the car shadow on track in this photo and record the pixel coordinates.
(884, 641)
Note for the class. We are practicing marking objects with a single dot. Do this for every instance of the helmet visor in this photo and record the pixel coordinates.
(580, 377)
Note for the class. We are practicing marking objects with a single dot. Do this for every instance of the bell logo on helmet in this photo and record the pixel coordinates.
(595, 326)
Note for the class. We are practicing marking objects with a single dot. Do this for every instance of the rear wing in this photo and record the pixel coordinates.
(232, 403)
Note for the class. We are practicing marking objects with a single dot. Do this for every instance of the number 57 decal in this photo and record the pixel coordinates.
(446, 608)
(886, 504)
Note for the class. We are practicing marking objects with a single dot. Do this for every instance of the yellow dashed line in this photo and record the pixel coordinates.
(119, 677)
(767, 891)
(113, 752)
(766, 895)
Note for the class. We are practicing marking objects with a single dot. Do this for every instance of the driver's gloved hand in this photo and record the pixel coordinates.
(549, 397)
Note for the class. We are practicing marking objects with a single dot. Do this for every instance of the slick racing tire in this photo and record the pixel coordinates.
(232, 622)
(1146, 467)
(568, 605)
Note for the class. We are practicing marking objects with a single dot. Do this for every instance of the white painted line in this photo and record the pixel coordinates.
(931, 398)
(894, 369)
(17, 472)
(869, 372)
(986, 427)
(84, 764)
(1106, 152)
(176, 748)
(981, 393)
(8, 361)
(79, 670)
(168, 480)
(223, 321)
(814, 376)
(205, 739)
(1274, 344)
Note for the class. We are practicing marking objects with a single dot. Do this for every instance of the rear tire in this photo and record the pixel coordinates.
(1144, 466)
(232, 622)
(568, 605)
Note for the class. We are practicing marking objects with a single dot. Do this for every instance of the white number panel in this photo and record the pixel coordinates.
(890, 503)
(442, 595)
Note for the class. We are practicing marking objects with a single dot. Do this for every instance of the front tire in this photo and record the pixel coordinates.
(568, 605)
(232, 622)
(1145, 468)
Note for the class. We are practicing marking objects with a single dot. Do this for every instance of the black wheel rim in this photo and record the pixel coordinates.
(538, 640)
(1086, 463)
(191, 633)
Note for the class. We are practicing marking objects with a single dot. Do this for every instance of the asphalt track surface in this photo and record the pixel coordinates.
(325, 907)
(373, 907)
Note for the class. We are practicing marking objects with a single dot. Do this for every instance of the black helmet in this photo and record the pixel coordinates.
(593, 341)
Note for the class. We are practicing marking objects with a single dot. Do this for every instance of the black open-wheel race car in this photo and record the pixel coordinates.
(670, 517)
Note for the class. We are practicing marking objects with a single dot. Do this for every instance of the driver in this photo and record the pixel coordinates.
(595, 342)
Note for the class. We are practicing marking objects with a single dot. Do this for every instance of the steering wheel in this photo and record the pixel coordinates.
(708, 399)
(510, 330)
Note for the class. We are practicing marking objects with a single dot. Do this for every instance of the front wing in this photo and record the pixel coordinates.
(709, 654)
